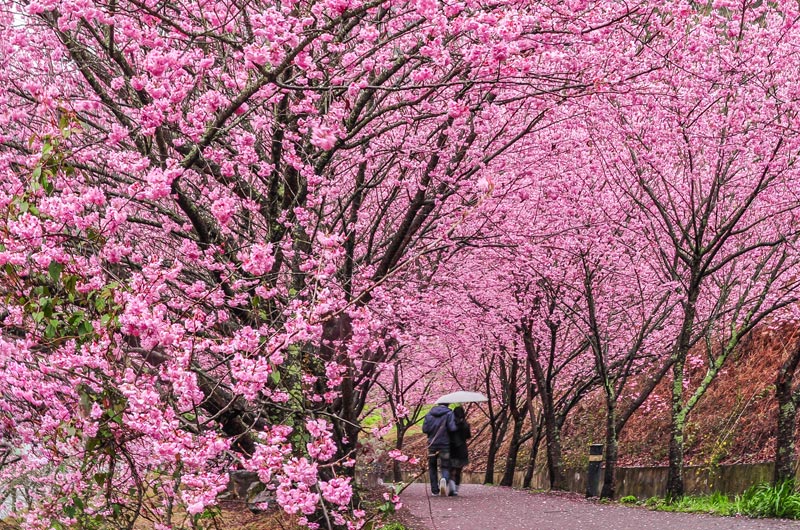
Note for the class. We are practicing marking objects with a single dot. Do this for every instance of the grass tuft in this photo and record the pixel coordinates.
(763, 500)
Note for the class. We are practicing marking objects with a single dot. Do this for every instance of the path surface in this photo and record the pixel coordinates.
(494, 508)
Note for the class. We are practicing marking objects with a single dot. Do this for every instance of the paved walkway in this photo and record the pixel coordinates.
(494, 508)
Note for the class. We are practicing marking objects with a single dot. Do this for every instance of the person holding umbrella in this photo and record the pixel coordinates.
(438, 424)
(459, 456)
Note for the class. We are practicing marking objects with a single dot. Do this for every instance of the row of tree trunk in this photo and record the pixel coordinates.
(525, 412)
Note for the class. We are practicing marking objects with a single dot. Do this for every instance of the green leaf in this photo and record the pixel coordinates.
(46, 306)
(91, 445)
(69, 284)
(76, 318)
(85, 328)
(51, 329)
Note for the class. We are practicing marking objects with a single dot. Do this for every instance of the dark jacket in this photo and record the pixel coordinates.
(438, 425)
(458, 442)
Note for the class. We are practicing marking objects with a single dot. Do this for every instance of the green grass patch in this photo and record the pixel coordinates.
(716, 503)
(373, 419)
(763, 500)
(766, 500)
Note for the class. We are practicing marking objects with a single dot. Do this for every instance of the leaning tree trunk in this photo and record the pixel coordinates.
(552, 432)
(787, 419)
(511, 456)
(345, 410)
(498, 435)
(531, 466)
(551, 427)
(535, 432)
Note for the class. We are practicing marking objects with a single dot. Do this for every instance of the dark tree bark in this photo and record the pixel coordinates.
(536, 429)
(491, 457)
(519, 411)
(787, 418)
(551, 424)
(530, 467)
(397, 472)
(511, 456)
(498, 426)
(609, 479)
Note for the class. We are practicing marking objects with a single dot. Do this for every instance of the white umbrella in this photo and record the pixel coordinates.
(462, 396)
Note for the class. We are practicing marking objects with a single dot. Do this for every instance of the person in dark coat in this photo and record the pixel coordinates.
(438, 424)
(459, 456)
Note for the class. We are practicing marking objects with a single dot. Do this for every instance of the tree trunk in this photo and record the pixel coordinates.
(609, 486)
(784, 440)
(678, 418)
(675, 476)
(498, 434)
(551, 426)
(511, 456)
(787, 416)
(397, 473)
(531, 466)
(553, 441)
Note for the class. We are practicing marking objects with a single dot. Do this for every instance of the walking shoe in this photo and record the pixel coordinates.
(443, 487)
(453, 489)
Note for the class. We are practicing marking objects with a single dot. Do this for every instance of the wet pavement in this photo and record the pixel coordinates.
(491, 507)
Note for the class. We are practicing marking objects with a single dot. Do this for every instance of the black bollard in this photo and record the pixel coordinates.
(593, 473)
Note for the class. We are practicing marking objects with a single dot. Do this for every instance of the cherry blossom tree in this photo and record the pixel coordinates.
(709, 161)
(209, 209)
(623, 327)
(225, 223)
